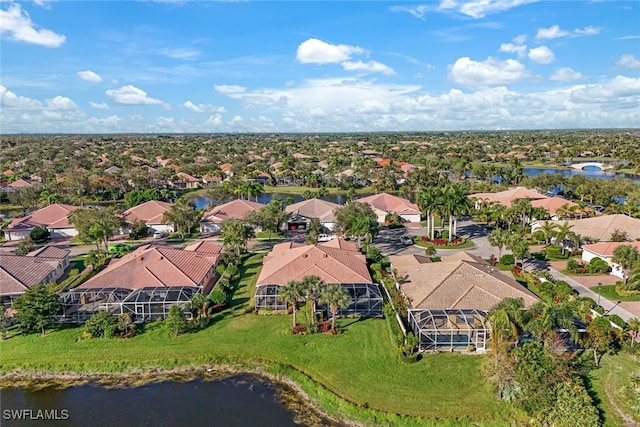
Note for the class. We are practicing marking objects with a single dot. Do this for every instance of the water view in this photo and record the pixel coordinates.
(237, 401)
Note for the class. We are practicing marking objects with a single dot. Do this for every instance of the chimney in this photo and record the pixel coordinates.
(139, 258)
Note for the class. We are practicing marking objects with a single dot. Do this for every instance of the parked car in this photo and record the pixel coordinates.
(158, 235)
(119, 248)
(406, 240)
(326, 237)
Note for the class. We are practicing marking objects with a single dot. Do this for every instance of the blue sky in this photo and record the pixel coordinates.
(317, 66)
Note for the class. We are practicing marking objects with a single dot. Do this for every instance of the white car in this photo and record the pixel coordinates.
(158, 235)
(326, 237)
(406, 240)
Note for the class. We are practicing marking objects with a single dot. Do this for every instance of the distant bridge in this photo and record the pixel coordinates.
(598, 165)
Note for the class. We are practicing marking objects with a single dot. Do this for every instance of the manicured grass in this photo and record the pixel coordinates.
(464, 245)
(361, 365)
(608, 380)
(609, 292)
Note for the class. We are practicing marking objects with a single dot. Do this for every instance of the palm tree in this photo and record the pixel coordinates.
(506, 319)
(312, 286)
(562, 232)
(548, 229)
(498, 238)
(626, 256)
(544, 320)
(232, 235)
(429, 199)
(633, 326)
(291, 293)
(337, 297)
(455, 203)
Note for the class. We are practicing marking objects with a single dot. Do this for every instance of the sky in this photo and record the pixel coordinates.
(317, 66)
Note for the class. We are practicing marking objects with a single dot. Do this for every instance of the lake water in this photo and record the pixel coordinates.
(203, 202)
(588, 171)
(237, 401)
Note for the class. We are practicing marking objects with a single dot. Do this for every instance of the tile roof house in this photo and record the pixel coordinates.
(146, 282)
(236, 209)
(449, 300)
(332, 262)
(600, 228)
(19, 273)
(553, 205)
(150, 213)
(300, 213)
(384, 203)
(54, 218)
(508, 196)
(604, 251)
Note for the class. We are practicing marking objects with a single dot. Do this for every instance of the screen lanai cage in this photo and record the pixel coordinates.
(366, 299)
(449, 329)
(143, 304)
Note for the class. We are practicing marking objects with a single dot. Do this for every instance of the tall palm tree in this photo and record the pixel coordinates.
(633, 327)
(626, 256)
(506, 319)
(337, 297)
(312, 287)
(291, 293)
(498, 238)
(429, 199)
(562, 232)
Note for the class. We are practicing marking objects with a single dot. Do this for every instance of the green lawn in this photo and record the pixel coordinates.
(360, 365)
(609, 292)
(607, 381)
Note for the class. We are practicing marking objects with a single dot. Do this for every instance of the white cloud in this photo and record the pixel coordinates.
(555, 32)
(565, 74)
(180, 53)
(541, 55)
(61, 103)
(17, 24)
(488, 72)
(89, 76)
(203, 108)
(520, 50)
(229, 89)
(131, 95)
(9, 99)
(480, 8)
(368, 67)
(629, 61)
(624, 90)
(99, 106)
(418, 11)
(314, 51)
(214, 120)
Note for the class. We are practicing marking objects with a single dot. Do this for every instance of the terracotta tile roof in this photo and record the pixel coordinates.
(390, 203)
(235, 209)
(52, 216)
(150, 212)
(314, 208)
(552, 204)
(50, 253)
(154, 266)
(18, 273)
(20, 183)
(205, 248)
(460, 284)
(605, 249)
(601, 227)
(507, 197)
(291, 261)
(347, 245)
(403, 261)
(186, 177)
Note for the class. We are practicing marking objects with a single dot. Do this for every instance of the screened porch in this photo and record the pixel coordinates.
(449, 330)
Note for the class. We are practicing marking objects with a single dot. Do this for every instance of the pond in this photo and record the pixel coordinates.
(241, 401)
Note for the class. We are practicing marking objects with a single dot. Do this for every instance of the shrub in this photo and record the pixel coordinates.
(225, 284)
(554, 252)
(176, 322)
(102, 324)
(573, 265)
(598, 265)
(299, 330)
(218, 296)
(39, 234)
(324, 327)
(507, 259)
(617, 320)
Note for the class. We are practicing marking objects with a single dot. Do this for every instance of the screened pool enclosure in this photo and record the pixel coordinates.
(449, 329)
(366, 299)
(143, 304)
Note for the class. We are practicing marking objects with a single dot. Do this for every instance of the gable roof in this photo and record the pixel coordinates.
(50, 253)
(314, 208)
(18, 273)
(154, 266)
(601, 227)
(235, 209)
(403, 261)
(460, 284)
(150, 212)
(294, 261)
(605, 249)
(389, 203)
(508, 196)
(205, 248)
(52, 216)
